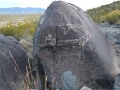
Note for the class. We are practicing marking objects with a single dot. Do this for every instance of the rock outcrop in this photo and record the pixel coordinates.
(71, 52)
(13, 63)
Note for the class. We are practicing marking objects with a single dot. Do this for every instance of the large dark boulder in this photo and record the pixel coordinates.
(71, 51)
(13, 63)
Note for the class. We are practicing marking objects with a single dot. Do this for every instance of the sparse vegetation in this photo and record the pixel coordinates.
(28, 80)
(20, 29)
(106, 13)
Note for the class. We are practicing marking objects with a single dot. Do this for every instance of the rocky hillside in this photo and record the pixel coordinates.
(106, 13)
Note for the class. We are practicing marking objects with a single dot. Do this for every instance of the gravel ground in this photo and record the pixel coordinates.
(111, 31)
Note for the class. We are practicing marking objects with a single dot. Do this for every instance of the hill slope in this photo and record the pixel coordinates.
(106, 13)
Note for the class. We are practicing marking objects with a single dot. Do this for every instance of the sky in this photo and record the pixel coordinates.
(83, 4)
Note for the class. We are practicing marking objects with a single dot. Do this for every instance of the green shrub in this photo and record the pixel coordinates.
(106, 13)
(21, 29)
(112, 17)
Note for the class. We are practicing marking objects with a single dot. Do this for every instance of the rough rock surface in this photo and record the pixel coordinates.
(13, 62)
(117, 82)
(71, 52)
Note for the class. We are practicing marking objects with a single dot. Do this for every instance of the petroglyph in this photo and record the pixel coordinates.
(72, 54)
(49, 41)
(71, 27)
(66, 30)
(84, 39)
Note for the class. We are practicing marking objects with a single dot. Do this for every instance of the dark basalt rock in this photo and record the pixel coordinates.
(13, 63)
(117, 82)
(70, 51)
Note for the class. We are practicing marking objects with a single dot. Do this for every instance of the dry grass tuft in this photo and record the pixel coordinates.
(28, 81)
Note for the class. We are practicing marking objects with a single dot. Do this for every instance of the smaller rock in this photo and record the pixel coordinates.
(117, 82)
(13, 64)
(85, 88)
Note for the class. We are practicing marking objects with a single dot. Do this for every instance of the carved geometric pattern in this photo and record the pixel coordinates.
(71, 26)
(49, 40)
(65, 30)
(84, 39)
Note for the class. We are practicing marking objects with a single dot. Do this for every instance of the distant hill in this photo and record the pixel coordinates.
(106, 13)
(18, 10)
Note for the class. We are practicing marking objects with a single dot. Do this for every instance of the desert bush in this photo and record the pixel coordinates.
(106, 13)
(21, 29)
(112, 17)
